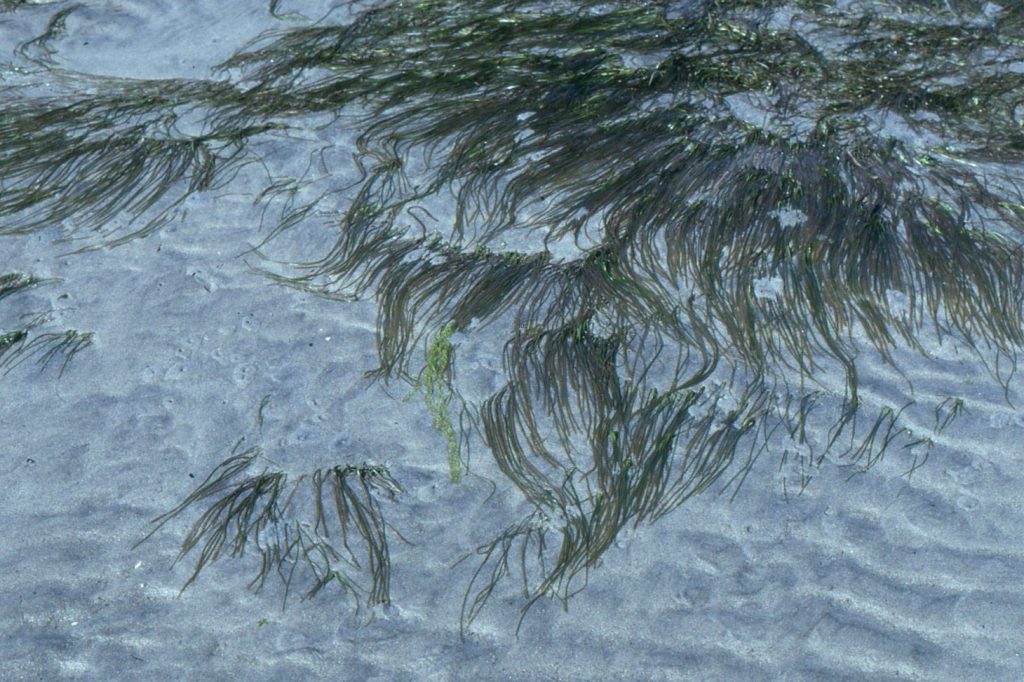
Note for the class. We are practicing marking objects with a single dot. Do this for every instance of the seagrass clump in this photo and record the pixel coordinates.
(303, 523)
(24, 338)
(684, 222)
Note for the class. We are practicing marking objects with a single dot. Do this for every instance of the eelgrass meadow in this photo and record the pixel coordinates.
(688, 222)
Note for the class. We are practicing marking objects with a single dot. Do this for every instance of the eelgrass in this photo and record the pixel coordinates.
(27, 340)
(264, 513)
(725, 202)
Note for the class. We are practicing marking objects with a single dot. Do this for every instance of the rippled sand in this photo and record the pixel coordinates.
(876, 576)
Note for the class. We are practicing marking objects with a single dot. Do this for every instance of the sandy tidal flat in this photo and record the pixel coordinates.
(874, 576)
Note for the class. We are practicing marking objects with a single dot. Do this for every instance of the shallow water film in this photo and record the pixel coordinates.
(511, 340)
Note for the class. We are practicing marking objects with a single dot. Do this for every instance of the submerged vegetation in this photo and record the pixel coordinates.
(262, 511)
(27, 340)
(435, 382)
(684, 223)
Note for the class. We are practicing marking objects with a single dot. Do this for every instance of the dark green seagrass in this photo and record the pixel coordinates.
(685, 222)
